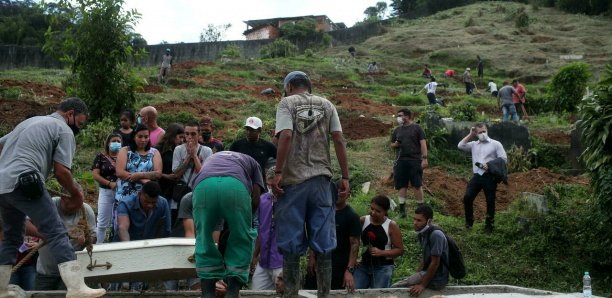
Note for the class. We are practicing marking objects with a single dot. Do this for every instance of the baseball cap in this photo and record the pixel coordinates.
(167, 50)
(468, 69)
(253, 122)
(294, 75)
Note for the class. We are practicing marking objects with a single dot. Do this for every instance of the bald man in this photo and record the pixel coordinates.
(148, 117)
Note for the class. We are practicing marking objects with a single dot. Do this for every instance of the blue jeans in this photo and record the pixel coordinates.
(309, 204)
(24, 277)
(14, 207)
(373, 277)
(509, 109)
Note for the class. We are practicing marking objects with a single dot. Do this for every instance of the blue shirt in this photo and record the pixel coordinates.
(155, 225)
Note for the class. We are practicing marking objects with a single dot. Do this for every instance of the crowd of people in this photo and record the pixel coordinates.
(254, 210)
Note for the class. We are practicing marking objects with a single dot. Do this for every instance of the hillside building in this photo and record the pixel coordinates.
(270, 28)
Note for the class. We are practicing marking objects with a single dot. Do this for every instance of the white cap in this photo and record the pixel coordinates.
(253, 122)
(468, 69)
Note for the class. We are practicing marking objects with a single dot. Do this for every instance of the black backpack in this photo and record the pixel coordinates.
(455, 263)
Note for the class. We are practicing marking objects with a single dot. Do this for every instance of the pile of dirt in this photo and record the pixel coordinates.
(364, 106)
(36, 99)
(553, 136)
(358, 128)
(50, 92)
(451, 189)
(152, 89)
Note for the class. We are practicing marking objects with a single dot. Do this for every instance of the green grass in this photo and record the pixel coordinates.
(44, 76)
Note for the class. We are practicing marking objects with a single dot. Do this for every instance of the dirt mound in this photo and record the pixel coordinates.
(367, 107)
(35, 99)
(451, 188)
(52, 93)
(190, 64)
(553, 136)
(152, 89)
(358, 128)
(541, 39)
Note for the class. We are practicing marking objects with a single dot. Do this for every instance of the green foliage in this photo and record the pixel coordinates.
(164, 119)
(308, 53)
(592, 7)
(463, 112)
(22, 23)
(568, 86)
(551, 156)
(521, 20)
(596, 123)
(277, 49)
(407, 99)
(10, 92)
(214, 33)
(304, 33)
(98, 48)
(94, 134)
(518, 159)
(231, 51)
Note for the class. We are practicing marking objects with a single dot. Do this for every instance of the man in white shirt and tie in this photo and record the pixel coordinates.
(483, 150)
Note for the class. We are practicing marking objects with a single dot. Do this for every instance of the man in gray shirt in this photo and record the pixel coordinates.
(504, 101)
(27, 155)
(304, 124)
(189, 157)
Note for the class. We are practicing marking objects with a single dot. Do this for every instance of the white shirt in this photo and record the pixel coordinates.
(431, 87)
(483, 152)
(492, 87)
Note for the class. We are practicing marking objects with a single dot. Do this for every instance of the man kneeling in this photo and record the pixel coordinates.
(431, 272)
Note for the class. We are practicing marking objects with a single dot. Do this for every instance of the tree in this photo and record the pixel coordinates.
(22, 23)
(381, 7)
(371, 12)
(401, 8)
(568, 86)
(98, 47)
(214, 33)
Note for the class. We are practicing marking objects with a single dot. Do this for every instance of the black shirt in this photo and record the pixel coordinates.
(126, 138)
(261, 151)
(347, 225)
(410, 137)
(165, 184)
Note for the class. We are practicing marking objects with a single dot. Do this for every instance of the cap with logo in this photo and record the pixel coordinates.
(253, 122)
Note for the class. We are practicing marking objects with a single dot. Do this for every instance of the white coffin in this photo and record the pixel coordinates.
(141, 260)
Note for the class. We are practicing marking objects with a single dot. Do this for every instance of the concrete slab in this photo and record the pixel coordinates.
(485, 291)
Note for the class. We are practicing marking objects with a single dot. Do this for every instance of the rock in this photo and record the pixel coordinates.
(267, 91)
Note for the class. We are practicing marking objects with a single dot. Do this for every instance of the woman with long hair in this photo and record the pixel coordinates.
(382, 239)
(103, 170)
(174, 136)
(137, 164)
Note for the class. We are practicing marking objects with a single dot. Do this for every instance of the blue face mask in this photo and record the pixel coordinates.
(114, 147)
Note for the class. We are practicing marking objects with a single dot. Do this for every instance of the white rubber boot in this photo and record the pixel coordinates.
(72, 275)
(5, 277)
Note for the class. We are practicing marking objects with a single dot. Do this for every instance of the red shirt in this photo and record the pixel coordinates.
(520, 96)
(449, 73)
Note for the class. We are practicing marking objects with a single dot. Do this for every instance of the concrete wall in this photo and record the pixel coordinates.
(20, 57)
(26, 56)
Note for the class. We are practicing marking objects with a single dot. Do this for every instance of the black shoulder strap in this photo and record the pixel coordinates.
(431, 230)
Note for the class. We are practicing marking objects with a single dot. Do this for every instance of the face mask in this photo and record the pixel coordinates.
(206, 135)
(400, 120)
(425, 228)
(483, 137)
(139, 120)
(114, 146)
(75, 129)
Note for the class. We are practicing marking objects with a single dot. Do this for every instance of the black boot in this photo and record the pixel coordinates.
(233, 287)
(402, 210)
(291, 275)
(208, 287)
(324, 271)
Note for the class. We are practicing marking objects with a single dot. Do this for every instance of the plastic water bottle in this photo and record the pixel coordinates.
(586, 285)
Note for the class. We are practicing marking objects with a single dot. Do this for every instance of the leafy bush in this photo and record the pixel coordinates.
(309, 53)
(277, 49)
(10, 93)
(231, 51)
(407, 99)
(521, 20)
(518, 159)
(94, 134)
(596, 123)
(463, 112)
(568, 86)
(551, 156)
(98, 48)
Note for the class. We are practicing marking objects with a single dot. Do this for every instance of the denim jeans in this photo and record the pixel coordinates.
(106, 200)
(509, 109)
(373, 277)
(24, 277)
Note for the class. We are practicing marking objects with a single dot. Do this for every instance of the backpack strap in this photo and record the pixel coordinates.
(431, 230)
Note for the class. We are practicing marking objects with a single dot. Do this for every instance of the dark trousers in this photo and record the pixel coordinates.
(487, 183)
(468, 88)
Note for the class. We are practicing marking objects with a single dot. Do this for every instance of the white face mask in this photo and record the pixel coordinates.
(400, 120)
(425, 228)
(483, 137)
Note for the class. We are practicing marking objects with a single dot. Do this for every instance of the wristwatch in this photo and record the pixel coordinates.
(351, 270)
